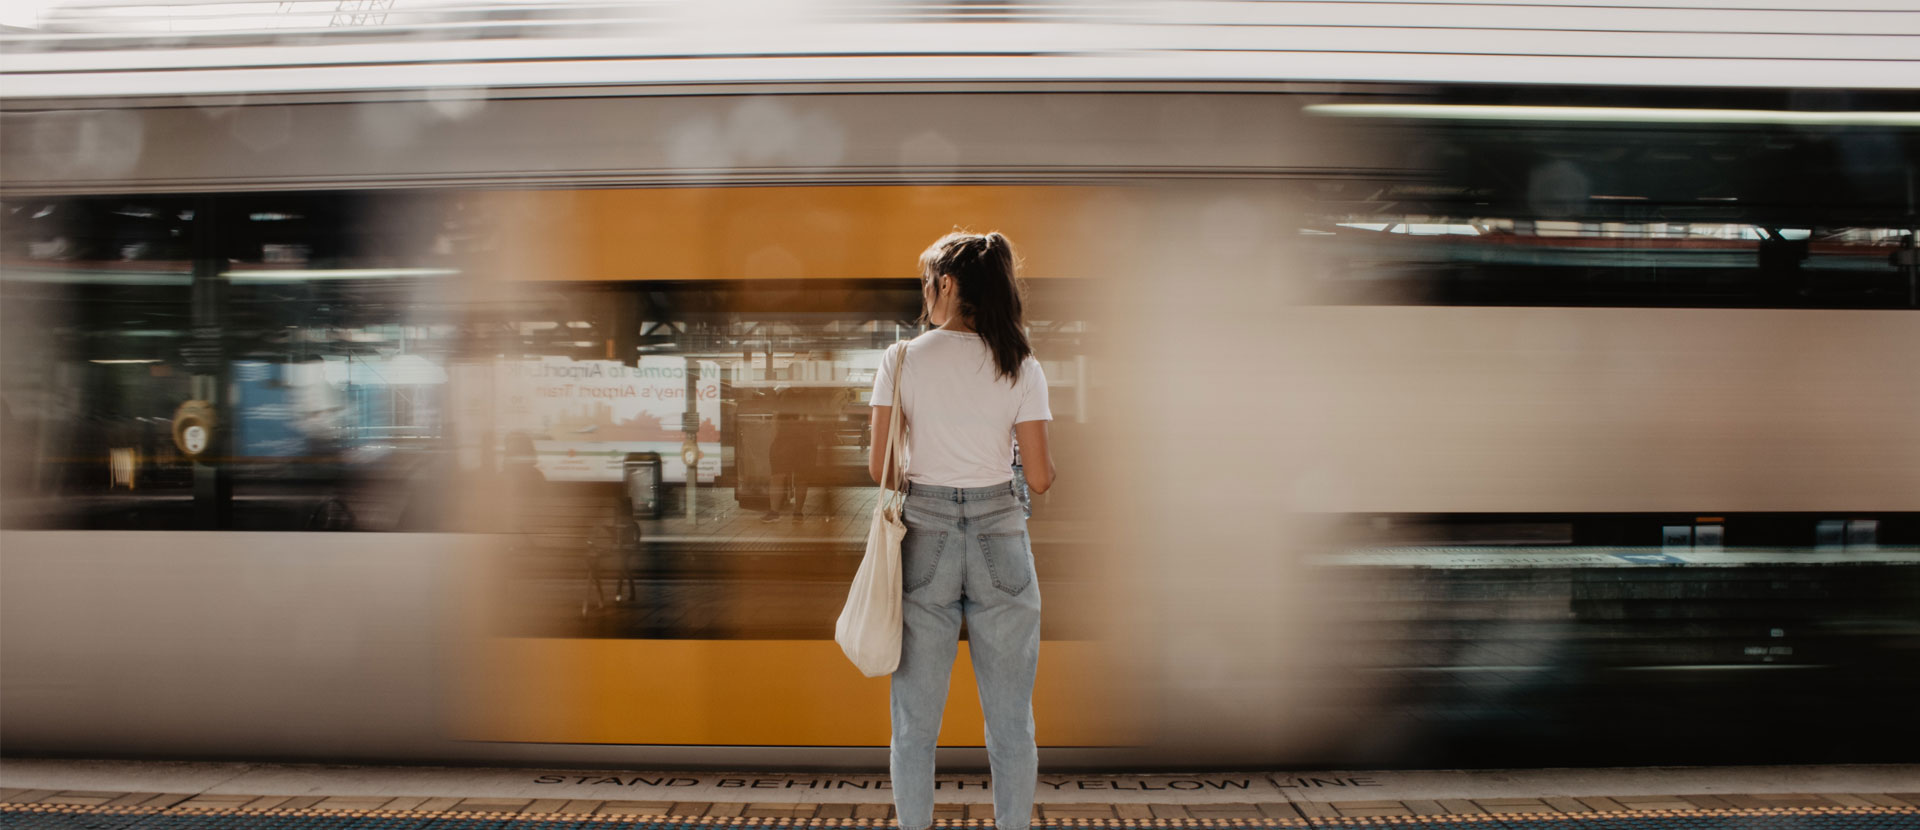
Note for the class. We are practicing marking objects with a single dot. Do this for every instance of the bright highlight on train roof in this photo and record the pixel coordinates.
(336, 274)
(1635, 115)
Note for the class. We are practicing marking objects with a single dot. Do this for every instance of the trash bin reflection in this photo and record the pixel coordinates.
(641, 473)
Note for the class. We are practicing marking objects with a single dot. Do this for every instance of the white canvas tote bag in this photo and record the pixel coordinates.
(869, 626)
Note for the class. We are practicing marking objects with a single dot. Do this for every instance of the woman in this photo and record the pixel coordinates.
(971, 386)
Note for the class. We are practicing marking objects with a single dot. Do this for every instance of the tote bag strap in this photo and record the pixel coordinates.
(890, 464)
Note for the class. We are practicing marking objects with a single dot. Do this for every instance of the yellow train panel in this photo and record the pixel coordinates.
(752, 693)
(778, 232)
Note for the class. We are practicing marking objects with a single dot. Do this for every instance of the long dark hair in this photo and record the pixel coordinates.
(983, 267)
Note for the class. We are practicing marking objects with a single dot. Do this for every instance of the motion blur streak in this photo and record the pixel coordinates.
(1272, 415)
(1225, 627)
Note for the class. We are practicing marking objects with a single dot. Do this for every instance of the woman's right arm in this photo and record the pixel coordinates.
(1035, 459)
(882, 425)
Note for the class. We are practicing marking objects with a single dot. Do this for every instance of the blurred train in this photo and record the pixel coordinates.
(1411, 416)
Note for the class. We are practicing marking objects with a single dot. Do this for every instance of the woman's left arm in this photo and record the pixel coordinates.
(1035, 459)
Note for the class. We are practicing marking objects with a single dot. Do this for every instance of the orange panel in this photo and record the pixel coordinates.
(749, 693)
(779, 232)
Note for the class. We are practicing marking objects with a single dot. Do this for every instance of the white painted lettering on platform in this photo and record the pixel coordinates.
(1312, 782)
(962, 783)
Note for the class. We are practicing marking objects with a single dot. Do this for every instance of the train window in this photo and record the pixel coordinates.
(307, 325)
(763, 386)
(1611, 206)
(96, 298)
(340, 334)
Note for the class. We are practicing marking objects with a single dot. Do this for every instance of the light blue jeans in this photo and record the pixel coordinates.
(966, 556)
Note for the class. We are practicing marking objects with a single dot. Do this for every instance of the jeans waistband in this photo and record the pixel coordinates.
(959, 494)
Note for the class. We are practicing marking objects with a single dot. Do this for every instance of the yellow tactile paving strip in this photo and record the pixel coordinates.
(726, 814)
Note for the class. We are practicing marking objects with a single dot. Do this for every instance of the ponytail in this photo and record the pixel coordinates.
(983, 266)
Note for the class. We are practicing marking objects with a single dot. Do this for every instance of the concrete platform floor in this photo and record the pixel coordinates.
(34, 792)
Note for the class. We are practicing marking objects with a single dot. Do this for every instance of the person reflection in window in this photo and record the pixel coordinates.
(794, 456)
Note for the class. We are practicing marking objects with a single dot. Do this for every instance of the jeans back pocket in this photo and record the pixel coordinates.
(1009, 560)
(920, 557)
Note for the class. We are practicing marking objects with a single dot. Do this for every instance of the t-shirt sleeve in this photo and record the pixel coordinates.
(1033, 394)
(883, 379)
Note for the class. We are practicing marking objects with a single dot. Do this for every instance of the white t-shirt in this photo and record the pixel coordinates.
(959, 412)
